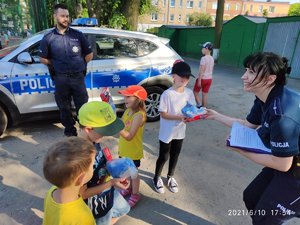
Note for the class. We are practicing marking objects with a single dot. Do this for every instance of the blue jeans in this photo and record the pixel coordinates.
(120, 208)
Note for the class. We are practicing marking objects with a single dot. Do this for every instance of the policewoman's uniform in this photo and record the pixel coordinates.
(67, 54)
(273, 196)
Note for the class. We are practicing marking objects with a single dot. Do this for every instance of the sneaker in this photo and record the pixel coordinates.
(125, 193)
(134, 199)
(159, 186)
(172, 184)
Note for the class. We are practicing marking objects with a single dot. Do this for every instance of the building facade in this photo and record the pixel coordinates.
(171, 12)
(177, 12)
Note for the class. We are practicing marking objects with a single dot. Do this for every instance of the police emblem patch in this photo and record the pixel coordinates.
(75, 49)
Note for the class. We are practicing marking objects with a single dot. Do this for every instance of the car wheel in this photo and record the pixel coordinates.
(152, 103)
(3, 121)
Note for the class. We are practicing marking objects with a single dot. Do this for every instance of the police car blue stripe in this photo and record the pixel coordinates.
(41, 83)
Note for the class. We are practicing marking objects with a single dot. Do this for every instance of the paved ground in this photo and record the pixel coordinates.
(211, 177)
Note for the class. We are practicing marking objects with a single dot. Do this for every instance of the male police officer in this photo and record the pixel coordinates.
(67, 51)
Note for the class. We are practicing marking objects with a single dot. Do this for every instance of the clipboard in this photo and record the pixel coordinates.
(246, 139)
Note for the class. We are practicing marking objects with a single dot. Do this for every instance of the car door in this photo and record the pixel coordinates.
(117, 64)
(32, 86)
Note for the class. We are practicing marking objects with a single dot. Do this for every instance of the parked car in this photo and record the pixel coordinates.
(121, 58)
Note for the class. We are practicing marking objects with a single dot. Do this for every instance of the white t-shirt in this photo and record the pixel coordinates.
(172, 102)
(208, 62)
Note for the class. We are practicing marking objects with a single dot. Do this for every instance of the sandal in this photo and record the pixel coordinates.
(134, 199)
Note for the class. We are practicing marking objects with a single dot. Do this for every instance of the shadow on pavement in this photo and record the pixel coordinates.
(24, 205)
(155, 211)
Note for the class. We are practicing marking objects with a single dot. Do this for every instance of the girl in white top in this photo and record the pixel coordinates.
(172, 124)
(204, 80)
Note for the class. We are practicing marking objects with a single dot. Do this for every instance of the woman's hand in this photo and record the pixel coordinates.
(211, 114)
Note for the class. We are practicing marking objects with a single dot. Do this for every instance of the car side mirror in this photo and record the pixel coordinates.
(25, 58)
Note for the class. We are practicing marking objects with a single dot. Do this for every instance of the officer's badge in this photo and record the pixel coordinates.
(75, 49)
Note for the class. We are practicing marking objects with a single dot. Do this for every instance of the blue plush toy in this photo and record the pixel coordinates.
(191, 111)
(120, 168)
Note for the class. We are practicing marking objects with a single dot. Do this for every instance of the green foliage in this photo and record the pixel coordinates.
(294, 9)
(146, 7)
(200, 19)
(265, 13)
(118, 21)
(153, 30)
(108, 13)
(10, 11)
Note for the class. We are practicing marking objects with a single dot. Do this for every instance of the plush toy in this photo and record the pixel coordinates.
(193, 113)
(120, 168)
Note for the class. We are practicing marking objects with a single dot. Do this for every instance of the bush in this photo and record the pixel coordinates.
(153, 30)
(201, 19)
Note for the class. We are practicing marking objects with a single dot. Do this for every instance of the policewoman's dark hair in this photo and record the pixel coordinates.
(59, 6)
(268, 63)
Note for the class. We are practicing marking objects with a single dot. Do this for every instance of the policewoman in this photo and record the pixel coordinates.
(66, 52)
(273, 197)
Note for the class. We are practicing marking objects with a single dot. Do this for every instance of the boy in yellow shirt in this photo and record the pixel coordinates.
(68, 165)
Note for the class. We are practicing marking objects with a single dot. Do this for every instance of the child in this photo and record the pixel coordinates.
(131, 138)
(172, 124)
(205, 75)
(68, 165)
(97, 119)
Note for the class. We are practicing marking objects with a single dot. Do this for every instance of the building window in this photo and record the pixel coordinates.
(227, 6)
(271, 9)
(200, 5)
(155, 2)
(154, 17)
(180, 3)
(260, 9)
(163, 17)
(251, 8)
(244, 8)
(215, 5)
(172, 3)
(190, 4)
(237, 7)
(164, 3)
(172, 18)
(187, 19)
(179, 18)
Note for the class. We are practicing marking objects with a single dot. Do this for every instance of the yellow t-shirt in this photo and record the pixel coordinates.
(132, 149)
(72, 213)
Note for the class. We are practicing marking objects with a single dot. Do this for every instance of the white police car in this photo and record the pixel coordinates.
(121, 58)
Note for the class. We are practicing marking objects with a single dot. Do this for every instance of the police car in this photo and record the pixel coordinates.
(121, 58)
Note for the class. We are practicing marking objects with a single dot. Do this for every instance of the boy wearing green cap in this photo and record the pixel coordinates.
(97, 119)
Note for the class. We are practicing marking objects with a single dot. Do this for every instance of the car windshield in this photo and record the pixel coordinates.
(7, 50)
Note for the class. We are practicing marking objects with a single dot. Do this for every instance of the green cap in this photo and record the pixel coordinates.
(101, 117)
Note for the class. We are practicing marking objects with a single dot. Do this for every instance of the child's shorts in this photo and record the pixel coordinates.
(205, 85)
(120, 208)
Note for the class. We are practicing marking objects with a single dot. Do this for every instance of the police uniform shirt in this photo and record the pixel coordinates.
(279, 118)
(66, 51)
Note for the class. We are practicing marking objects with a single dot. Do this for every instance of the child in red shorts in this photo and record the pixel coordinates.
(205, 75)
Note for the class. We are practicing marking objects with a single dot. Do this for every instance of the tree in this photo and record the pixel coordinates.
(122, 14)
(200, 19)
(218, 27)
(265, 13)
(294, 9)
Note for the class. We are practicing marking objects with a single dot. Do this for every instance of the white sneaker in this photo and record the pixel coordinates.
(159, 186)
(172, 184)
